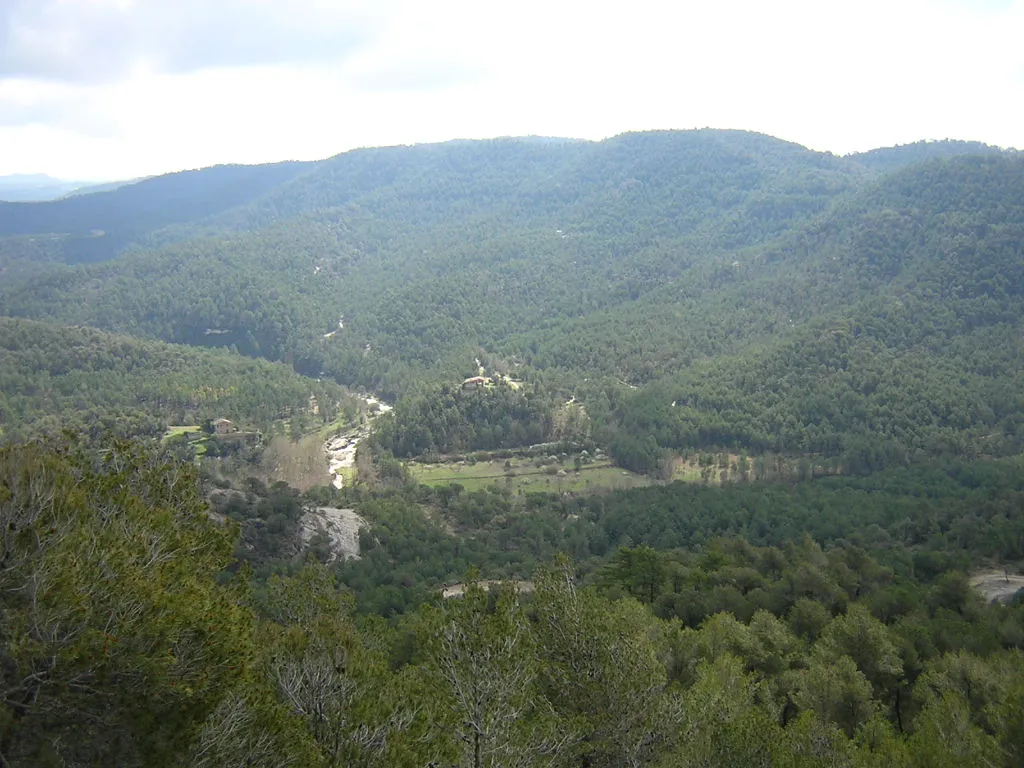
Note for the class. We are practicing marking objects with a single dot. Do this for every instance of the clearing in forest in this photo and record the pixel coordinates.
(524, 475)
(997, 586)
(181, 429)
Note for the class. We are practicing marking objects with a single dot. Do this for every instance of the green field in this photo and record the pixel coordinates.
(181, 429)
(523, 475)
(198, 439)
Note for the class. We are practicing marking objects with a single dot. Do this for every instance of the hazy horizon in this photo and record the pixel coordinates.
(116, 89)
(98, 181)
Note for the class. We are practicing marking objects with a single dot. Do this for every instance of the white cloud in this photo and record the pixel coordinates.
(834, 76)
(101, 40)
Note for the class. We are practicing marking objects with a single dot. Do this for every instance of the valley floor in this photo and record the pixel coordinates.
(523, 475)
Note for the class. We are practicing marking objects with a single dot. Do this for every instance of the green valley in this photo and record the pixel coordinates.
(680, 448)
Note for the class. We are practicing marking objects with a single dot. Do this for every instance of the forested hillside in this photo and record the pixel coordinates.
(894, 320)
(781, 299)
(865, 652)
(96, 225)
(55, 377)
(427, 250)
(815, 361)
(891, 158)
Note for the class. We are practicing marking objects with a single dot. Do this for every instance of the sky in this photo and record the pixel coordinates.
(114, 89)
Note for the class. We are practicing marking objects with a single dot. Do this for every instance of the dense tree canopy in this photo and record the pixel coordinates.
(54, 377)
(123, 643)
(834, 344)
(783, 299)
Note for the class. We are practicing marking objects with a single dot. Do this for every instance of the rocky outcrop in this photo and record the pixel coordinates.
(340, 526)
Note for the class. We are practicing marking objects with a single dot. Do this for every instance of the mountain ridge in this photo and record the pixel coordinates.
(648, 258)
(80, 219)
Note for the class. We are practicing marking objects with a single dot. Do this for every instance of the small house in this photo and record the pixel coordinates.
(223, 427)
(475, 382)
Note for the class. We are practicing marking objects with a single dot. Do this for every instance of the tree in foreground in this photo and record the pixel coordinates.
(116, 640)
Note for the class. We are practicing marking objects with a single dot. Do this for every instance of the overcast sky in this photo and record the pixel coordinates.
(104, 89)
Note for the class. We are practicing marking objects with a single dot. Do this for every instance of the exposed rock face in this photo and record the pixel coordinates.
(341, 526)
(458, 590)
